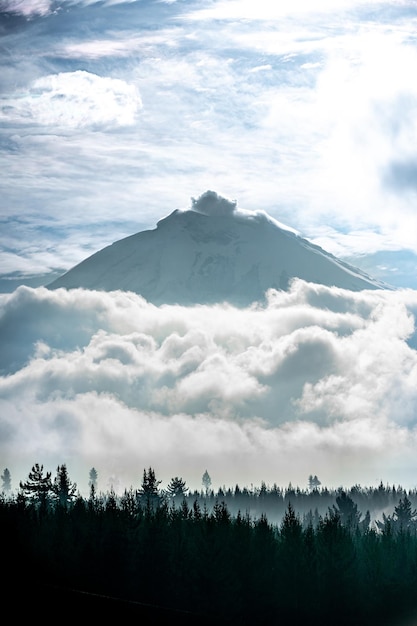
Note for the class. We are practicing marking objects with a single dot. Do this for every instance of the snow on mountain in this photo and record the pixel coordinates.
(213, 252)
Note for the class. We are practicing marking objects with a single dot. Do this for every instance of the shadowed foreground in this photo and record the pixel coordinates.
(74, 604)
(153, 557)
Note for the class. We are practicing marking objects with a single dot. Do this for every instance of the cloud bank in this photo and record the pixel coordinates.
(319, 381)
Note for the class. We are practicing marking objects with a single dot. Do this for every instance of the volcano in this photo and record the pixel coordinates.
(212, 252)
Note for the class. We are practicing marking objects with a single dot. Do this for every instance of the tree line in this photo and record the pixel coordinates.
(171, 549)
(312, 503)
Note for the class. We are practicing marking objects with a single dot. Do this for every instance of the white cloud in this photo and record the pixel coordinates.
(120, 44)
(33, 8)
(261, 68)
(266, 10)
(99, 48)
(349, 130)
(28, 8)
(368, 105)
(319, 380)
(75, 100)
(211, 203)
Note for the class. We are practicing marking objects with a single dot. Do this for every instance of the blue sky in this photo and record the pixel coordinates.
(113, 114)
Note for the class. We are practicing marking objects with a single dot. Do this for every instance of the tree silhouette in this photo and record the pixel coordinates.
(291, 528)
(404, 517)
(313, 482)
(63, 488)
(206, 480)
(6, 481)
(177, 490)
(291, 560)
(93, 478)
(350, 516)
(336, 566)
(92, 483)
(149, 490)
(37, 485)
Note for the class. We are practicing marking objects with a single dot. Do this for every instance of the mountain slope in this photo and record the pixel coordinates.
(211, 253)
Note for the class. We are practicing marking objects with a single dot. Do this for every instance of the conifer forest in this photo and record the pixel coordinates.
(237, 556)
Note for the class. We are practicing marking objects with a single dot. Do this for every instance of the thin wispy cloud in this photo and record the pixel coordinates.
(28, 8)
(120, 44)
(264, 10)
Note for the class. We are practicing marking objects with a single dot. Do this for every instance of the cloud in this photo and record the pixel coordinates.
(402, 175)
(121, 44)
(28, 8)
(75, 100)
(42, 8)
(363, 106)
(265, 10)
(319, 380)
(211, 203)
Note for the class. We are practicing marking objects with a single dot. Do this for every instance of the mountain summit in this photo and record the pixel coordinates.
(212, 252)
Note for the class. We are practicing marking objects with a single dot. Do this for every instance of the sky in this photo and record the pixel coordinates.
(114, 114)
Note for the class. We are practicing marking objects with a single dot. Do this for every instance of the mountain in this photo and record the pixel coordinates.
(210, 253)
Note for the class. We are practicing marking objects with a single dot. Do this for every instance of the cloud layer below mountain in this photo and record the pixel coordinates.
(319, 381)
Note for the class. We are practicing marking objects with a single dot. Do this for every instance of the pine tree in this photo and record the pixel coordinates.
(6, 480)
(63, 488)
(337, 572)
(348, 512)
(206, 480)
(177, 490)
(149, 491)
(38, 485)
(291, 561)
(92, 483)
(93, 478)
(404, 517)
(291, 527)
(313, 482)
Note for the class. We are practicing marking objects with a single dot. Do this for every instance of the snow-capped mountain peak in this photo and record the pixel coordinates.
(212, 252)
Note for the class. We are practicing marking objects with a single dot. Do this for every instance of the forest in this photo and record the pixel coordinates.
(259, 555)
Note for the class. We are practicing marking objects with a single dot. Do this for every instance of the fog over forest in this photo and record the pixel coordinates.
(178, 556)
